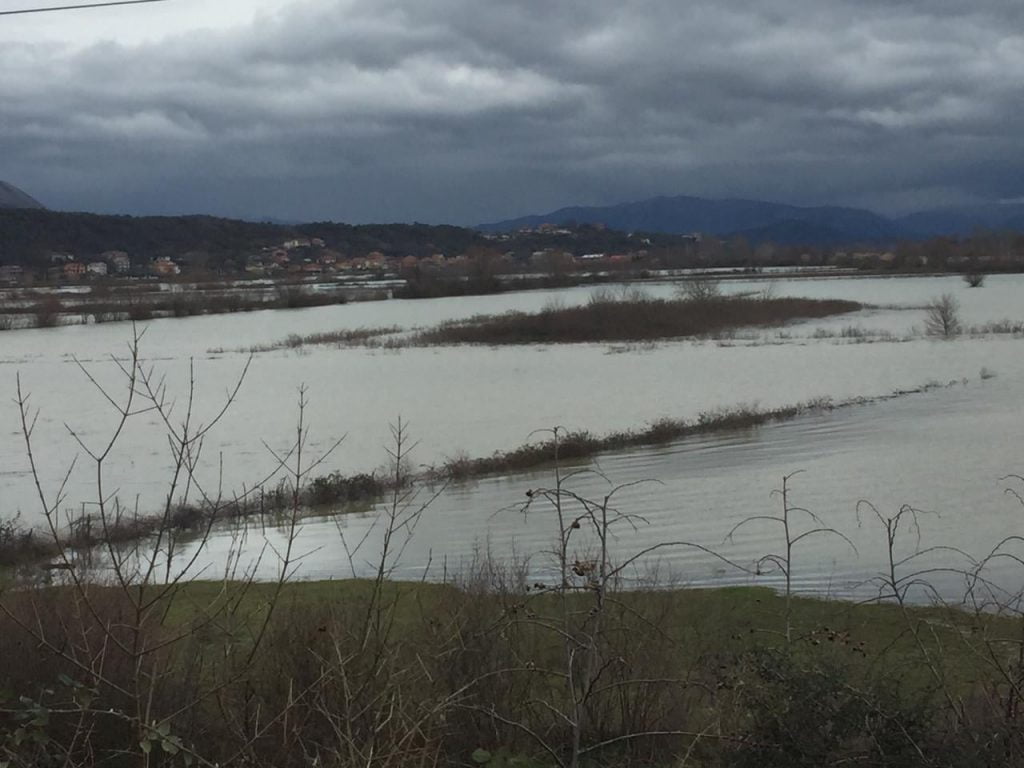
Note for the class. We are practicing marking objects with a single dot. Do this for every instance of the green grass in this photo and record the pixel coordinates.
(730, 619)
(441, 660)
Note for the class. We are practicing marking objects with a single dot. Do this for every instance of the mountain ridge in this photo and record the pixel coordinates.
(757, 221)
(12, 197)
(764, 221)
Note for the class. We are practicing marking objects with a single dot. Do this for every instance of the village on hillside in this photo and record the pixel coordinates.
(548, 249)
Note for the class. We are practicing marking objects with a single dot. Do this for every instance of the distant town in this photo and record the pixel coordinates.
(419, 252)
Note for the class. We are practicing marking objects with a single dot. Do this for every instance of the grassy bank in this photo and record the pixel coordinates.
(476, 673)
(635, 318)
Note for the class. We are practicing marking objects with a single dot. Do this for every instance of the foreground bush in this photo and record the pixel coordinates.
(358, 673)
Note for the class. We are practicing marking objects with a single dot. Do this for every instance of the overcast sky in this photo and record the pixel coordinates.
(467, 111)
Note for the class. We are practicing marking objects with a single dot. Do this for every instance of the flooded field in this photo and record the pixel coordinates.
(943, 451)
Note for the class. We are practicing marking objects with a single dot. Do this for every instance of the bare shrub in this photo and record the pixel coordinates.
(601, 697)
(793, 533)
(974, 279)
(942, 317)
(700, 289)
(344, 337)
(300, 296)
(116, 672)
(184, 306)
(1009, 327)
(598, 297)
(770, 291)
(18, 544)
(139, 309)
(48, 311)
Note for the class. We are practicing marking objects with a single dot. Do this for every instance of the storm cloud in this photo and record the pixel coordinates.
(472, 110)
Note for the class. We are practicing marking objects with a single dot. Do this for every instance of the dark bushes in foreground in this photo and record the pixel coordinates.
(349, 674)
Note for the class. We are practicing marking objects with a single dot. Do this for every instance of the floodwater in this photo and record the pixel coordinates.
(943, 451)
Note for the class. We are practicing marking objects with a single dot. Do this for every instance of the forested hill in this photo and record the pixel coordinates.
(29, 236)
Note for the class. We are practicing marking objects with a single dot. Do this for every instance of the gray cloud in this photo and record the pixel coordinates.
(467, 110)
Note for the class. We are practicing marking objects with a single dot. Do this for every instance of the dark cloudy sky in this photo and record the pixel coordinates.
(465, 111)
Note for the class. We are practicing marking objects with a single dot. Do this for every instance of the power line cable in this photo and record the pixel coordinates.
(83, 6)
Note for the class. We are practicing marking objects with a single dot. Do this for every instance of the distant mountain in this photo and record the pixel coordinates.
(761, 221)
(12, 197)
(965, 220)
(756, 219)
